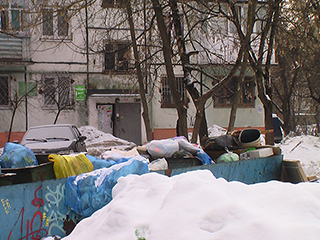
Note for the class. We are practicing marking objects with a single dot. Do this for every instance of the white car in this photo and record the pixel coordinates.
(56, 138)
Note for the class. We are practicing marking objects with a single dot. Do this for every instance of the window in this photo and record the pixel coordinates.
(224, 98)
(113, 3)
(55, 23)
(117, 56)
(166, 98)
(4, 91)
(11, 19)
(57, 91)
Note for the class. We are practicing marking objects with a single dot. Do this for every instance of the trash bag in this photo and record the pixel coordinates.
(162, 148)
(158, 164)
(88, 192)
(204, 157)
(228, 157)
(69, 165)
(100, 163)
(184, 144)
(220, 143)
(15, 155)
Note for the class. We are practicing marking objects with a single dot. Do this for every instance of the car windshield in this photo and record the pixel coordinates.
(49, 134)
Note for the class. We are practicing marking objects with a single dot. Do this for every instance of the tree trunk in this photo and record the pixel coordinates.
(145, 113)
(237, 95)
(185, 60)
(166, 49)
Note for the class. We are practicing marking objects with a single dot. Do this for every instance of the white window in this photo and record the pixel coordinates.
(57, 91)
(55, 23)
(4, 91)
(11, 19)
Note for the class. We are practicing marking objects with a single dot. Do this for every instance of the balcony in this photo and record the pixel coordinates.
(14, 50)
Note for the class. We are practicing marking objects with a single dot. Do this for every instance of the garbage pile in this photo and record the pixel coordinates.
(239, 145)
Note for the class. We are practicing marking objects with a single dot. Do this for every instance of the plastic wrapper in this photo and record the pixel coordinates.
(162, 148)
(204, 157)
(158, 164)
(100, 163)
(184, 144)
(17, 156)
(88, 192)
(69, 165)
(228, 157)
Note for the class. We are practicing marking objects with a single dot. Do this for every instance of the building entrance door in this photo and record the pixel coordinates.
(105, 122)
(128, 122)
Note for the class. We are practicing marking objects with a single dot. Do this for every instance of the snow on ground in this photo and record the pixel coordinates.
(304, 148)
(196, 205)
(98, 142)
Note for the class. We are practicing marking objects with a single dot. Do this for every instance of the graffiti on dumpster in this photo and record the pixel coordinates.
(37, 202)
(38, 212)
(6, 205)
(56, 203)
(31, 228)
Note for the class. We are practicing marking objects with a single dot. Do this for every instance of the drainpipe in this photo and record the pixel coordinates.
(26, 98)
(87, 73)
(87, 44)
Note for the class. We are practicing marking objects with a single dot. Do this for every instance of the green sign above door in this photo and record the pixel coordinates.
(80, 93)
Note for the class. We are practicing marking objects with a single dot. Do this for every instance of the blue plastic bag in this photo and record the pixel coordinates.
(88, 192)
(100, 163)
(204, 157)
(16, 156)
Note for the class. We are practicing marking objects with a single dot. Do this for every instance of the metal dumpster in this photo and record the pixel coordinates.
(246, 171)
(34, 173)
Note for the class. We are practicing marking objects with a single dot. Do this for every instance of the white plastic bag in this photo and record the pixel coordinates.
(185, 145)
(162, 148)
(158, 164)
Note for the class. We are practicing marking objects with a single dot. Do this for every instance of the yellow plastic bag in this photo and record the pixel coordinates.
(66, 165)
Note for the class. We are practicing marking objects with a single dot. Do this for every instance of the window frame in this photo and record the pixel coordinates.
(113, 57)
(165, 91)
(55, 24)
(53, 87)
(8, 92)
(7, 15)
(223, 102)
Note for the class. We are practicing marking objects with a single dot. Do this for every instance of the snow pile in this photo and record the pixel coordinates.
(98, 142)
(196, 205)
(304, 148)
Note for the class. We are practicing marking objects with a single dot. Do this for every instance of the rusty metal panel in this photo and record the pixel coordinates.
(35, 210)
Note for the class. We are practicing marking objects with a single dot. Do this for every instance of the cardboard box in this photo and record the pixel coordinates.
(257, 153)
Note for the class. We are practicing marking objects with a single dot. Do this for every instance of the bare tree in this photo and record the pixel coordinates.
(142, 92)
(15, 102)
(166, 49)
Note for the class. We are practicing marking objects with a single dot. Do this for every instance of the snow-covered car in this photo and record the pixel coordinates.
(56, 138)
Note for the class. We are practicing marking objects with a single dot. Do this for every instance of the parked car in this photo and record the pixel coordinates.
(56, 138)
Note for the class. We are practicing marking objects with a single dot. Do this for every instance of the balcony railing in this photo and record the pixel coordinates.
(14, 50)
